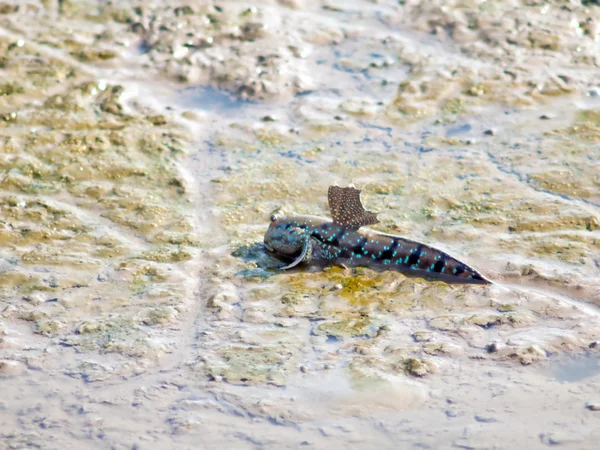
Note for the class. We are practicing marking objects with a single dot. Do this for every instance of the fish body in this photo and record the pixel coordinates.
(342, 241)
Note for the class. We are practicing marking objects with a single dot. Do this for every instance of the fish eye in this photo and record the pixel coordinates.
(276, 214)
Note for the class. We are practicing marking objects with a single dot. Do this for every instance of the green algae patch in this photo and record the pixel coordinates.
(365, 371)
(86, 54)
(49, 327)
(563, 163)
(11, 89)
(445, 322)
(13, 279)
(88, 184)
(251, 364)
(361, 287)
(158, 316)
(166, 254)
(485, 320)
(456, 84)
(355, 285)
(590, 116)
(116, 334)
(375, 370)
(95, 327)
(346, 328)
(506, 307)
(418, 367)
(358, 288)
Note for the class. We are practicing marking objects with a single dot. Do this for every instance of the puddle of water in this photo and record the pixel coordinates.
(456, 131)
(207, 98)
(576, 369)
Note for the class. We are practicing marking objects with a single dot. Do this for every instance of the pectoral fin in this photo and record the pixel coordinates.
(305, 254)
(347, 209)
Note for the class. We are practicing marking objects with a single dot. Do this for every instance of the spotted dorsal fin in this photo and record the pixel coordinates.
(346, 208)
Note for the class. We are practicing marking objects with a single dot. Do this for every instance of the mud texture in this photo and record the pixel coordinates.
(143, 147)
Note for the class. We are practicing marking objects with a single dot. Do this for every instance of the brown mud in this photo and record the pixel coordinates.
(143, 147)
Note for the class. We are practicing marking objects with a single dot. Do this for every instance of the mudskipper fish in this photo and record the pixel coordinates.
(341, 241)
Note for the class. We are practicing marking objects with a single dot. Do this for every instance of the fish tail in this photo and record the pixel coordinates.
(416, 256)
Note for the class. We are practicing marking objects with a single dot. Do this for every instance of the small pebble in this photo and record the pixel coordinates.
(593, 406)
(325, 431)
(35, 299)
(422, 336)
(490, 132)
(559, 438)
(192, 115)
(493, 347)
(484, 419)
(594, 93)
(94, 421)
(545, 117)
(304, 369)
(11, 368)
(138, 28)
(36, 363)
(268, 118)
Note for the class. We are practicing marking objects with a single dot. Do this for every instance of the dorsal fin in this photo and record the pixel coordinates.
(346, 208)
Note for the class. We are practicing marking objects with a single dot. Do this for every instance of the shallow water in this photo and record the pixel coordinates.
(209, 99)
(576, 369)
(137, 307)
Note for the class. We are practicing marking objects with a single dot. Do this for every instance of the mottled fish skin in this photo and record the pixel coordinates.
(337, 244)
(304, 238)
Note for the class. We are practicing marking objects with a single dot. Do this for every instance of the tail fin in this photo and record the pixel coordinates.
(415, 256)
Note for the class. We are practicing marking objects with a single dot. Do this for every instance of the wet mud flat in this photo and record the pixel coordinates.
(144, 146)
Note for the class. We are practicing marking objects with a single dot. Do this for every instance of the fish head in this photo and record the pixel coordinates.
(284, 237)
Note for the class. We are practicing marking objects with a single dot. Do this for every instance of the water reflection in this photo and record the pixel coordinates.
(266, 266)
(456, 131)
(576, 369)
(208, 98)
